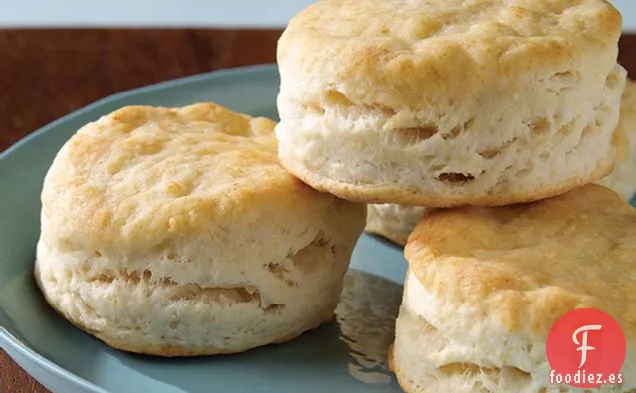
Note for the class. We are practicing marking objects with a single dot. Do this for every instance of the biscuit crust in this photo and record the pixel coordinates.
(451, 103)
(515, 263)
(175, 232)
(133, 178)
(623, 177)
(393, 222)
(395, 54)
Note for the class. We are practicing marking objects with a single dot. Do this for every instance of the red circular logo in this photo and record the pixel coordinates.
(586, 349)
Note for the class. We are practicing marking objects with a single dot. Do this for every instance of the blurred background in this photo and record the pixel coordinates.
(194, 13)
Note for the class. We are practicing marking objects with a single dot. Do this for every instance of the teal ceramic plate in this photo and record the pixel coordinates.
(346, 355)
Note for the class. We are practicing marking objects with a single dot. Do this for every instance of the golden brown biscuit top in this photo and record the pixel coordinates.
(406, 45)
(141, 175)
(415, 21)
(528, 264)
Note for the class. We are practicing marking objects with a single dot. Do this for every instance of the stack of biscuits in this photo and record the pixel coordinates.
(493, 138)
(474, 131)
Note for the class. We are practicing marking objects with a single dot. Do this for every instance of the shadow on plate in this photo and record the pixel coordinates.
(350, 351)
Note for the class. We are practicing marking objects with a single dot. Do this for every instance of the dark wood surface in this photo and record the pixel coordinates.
(45, 74)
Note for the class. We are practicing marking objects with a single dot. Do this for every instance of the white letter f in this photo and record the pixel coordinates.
(584, 347)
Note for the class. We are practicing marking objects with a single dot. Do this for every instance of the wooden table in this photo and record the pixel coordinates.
(45, 74)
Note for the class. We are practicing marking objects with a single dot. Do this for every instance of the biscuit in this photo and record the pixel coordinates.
(623, 177)
(175, 232)
(485, 285)
(392, 221)
(445, 103)
(396, 222)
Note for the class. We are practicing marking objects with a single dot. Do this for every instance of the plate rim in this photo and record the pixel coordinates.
(9, 342)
